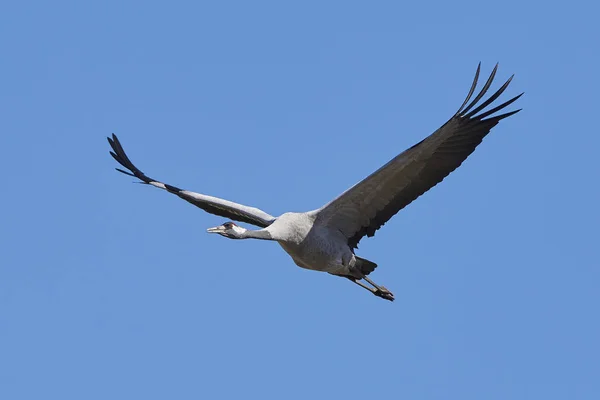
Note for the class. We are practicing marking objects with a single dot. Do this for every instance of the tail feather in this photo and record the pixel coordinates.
(365, 266)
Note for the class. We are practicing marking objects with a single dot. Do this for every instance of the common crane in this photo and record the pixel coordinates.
(325, 239)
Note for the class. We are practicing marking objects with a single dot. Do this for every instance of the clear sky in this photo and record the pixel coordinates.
(110, 290)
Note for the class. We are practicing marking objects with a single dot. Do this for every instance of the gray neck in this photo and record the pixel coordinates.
(262, 234)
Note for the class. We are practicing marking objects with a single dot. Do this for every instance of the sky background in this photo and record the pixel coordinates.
(110, 290)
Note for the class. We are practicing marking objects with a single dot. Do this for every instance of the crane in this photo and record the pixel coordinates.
(325, 239)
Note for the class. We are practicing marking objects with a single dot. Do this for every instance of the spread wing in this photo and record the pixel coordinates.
(213, 205)
(369, 204)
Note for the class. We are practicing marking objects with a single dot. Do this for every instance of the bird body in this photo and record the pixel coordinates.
(325, 239)
(312, 246)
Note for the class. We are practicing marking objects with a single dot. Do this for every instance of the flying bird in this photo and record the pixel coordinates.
(325, 239)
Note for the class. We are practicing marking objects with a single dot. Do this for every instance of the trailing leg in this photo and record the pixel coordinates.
(377, 290)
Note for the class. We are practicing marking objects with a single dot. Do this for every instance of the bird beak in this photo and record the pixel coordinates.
(216, 229)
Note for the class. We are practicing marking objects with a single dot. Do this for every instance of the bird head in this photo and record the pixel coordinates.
(229, 230)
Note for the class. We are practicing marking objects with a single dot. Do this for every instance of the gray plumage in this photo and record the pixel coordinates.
(325, 239)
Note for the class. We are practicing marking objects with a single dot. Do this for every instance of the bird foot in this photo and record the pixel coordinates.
(384, 293)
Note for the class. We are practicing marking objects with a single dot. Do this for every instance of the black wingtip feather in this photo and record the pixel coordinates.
(472, 90)
(483, 91)
(498, 108)
(116, 157)
(127, 173)
(502, 116)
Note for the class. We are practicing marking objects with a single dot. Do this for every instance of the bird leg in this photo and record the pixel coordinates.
(377, 290)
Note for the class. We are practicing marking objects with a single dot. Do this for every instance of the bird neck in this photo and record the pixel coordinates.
(261, 234)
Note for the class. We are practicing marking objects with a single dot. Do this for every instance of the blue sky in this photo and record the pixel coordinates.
(114, 290)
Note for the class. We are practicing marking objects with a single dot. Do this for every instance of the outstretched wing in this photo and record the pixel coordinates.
(213, 205)
(366, 206)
